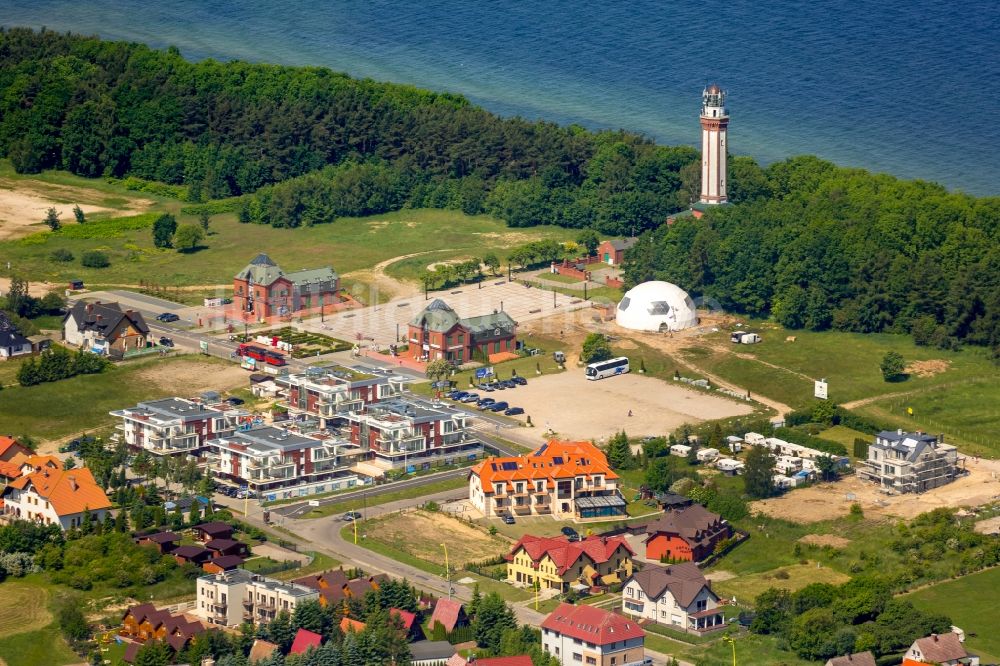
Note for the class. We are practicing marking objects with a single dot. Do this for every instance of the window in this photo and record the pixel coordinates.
(577, 656)
(591, 660)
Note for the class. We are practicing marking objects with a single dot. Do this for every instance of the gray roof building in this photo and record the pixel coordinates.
(263, 271)
(683, 580)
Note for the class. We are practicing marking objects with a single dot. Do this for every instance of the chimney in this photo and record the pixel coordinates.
(935, 637)
(129, 313)
(899, 432)
(90, 308)
(100, 317)
(72, 483)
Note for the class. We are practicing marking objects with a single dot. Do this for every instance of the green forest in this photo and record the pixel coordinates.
(812, 244)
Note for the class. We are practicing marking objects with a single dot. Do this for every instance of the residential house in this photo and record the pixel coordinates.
(173, 426)
(437, 333)
(612, 252)
(408, 620)
(164, 542)
(304, 641)
(690, 533)
(145, 622)
(55, 496)
(230, 598)
(222, 563)
(269, 460)
(413, 433)
(865, 658)
(557, 562)
(450, 614)
(677, 596)
(567, 480)
(12, 343)
(431, 653)
(355, 626)
(214, 530)
(910, 462)
(261, 650)
(195, 555)
(326, 393)
(227, 547)
(941, 649)
(104, 328)
(10, 447)
(587, 635)
(335, 588)
(263, 290)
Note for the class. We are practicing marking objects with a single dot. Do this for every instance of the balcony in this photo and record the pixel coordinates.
(522, 508)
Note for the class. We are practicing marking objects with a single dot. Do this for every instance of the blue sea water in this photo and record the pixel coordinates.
(909, 87)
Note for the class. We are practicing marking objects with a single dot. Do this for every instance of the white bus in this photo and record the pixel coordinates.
(602, 369)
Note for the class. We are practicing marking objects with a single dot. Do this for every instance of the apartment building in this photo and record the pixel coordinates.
(412, 433)
(230, 598)
(590, 636)
(328, 393)
(174, 426)
(567, 480)
(271, 460)
(910, 462)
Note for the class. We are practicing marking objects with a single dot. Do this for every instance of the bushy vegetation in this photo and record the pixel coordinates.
(57, 363)
(95, 259)
(817, 247)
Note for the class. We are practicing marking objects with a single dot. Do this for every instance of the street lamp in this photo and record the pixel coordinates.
(447, 571)
(732, 643)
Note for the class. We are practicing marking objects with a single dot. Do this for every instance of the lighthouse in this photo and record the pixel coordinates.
(714, 125)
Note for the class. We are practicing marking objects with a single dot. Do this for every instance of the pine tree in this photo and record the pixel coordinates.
(493, 617)
(758, 475)
(78, 214)
(52, 219)
(620, 452)
(473, 606)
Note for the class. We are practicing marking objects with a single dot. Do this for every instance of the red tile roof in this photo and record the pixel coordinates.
(68, 491)
(446, 613)
(590, 624)
(407, 617)
(305, 639)
(520, 660)
(11, 470)
(566, 553)
(554, 460)
(940, 647)
(6, 442)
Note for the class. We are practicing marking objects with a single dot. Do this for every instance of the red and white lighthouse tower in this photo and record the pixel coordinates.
(714, 125)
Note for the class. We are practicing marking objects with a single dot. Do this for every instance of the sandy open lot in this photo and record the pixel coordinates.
(23, 206)
(576, 408)
(832, 500)
(192, 377)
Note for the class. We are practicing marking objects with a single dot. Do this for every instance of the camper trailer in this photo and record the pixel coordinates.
(729, 466)
(680, 450)
(754, 439)
(734, 443)
(707, 455)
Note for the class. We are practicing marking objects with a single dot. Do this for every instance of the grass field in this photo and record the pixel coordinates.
(70, 406)
(557, 277)
(748, 587)
(751, 649)
(843, 435)
(28, 634)
(348, 244)
(970, 601)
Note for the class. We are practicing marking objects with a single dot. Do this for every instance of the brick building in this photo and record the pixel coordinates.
(263, 290)
(439, 333)
(690, 533)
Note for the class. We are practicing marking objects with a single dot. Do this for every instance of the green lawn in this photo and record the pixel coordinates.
(527, 367)
(844, 435)
(385, 498)
(970, 602)
(44, 646)
(557, 277)
(348, 244)
(751, 650)
(57, 409)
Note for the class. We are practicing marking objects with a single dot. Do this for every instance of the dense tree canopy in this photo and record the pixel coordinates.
(817, 246)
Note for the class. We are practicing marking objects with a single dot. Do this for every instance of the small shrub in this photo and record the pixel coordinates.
(95, 259)
(781, 574)
(62, 254)
(856, 510)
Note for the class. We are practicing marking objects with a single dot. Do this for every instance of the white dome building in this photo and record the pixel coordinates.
(656, 306)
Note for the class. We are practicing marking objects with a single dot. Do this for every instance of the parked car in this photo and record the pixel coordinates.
(243, 494)
(166, 342)
(509, 519)
(351, 516)
(498, 406)
(508, 383)
(458, 395)
(483, 402)
(470, 397)
(234, 401)
(570, 533)
(519, 380)
(513, 411)
(167, 317)
(487, 387)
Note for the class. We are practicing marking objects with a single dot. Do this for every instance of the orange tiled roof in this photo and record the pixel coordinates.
(6, 442)
(347, 624)
(39, 462)
(68, 491)
(9, 470)
(566, 553)
(554, 460)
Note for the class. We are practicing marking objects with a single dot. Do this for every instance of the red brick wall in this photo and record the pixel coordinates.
(670, 545)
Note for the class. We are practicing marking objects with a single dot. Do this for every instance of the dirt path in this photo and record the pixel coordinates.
(37, 289)
(379, 280)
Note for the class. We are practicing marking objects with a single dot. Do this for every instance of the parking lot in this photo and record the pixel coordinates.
(577, 408)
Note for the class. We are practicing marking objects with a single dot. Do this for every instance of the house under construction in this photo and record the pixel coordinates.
(910, 462)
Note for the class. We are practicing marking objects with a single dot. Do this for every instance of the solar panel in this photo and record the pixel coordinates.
(557, 460)
(508, 466)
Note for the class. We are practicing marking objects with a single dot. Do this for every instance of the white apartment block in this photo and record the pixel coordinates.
(233, 597)
(329, 393)
(174, 426)
(910, 462)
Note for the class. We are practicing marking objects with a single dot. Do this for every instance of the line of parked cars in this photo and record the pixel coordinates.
(488, 404)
